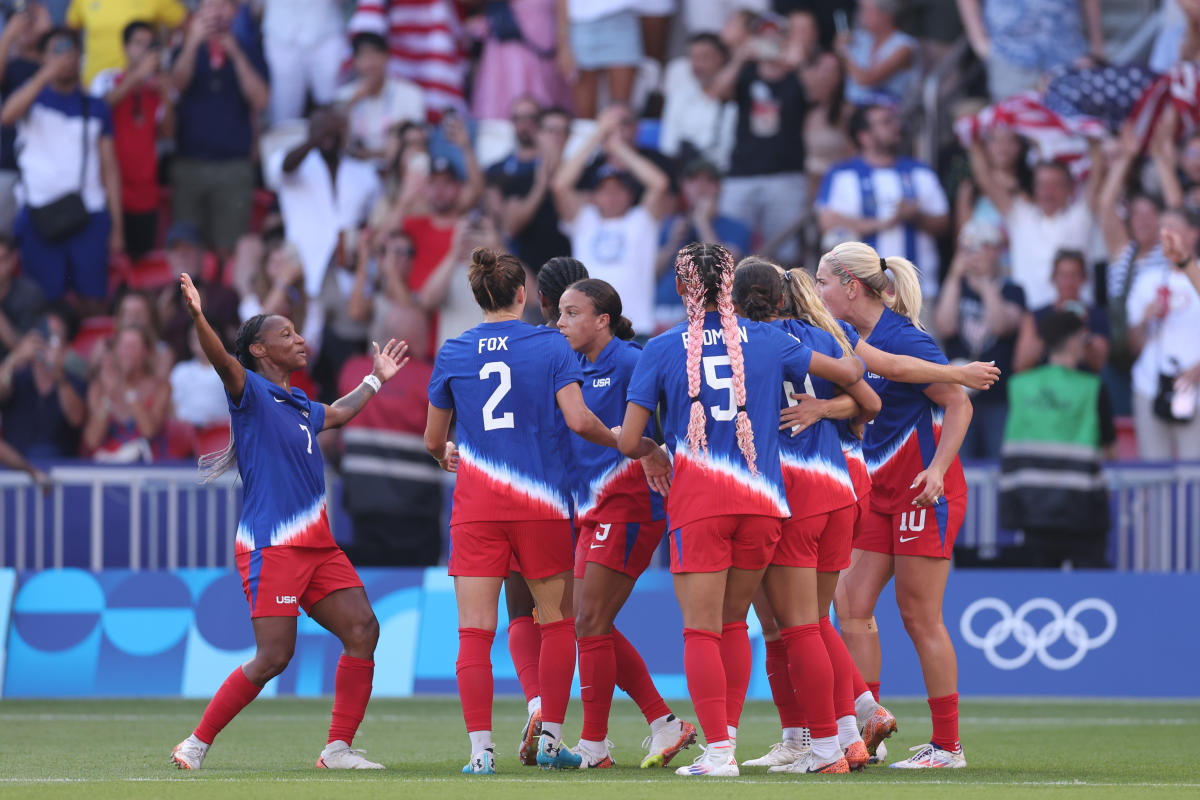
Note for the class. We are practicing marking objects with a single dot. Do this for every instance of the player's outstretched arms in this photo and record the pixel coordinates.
(979, 375)
(232, 373)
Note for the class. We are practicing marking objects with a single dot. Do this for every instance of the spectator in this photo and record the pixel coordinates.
(425, 38)
(392, 492)
(305, 45)
(405, 175)
(712, 15)
(1163, 312)
(41, 395)
(275, 285)
(138, 97)
(826, 123)
(1021, 40)
(1189, 167)
(127, 403)
(694, 122)
(185, 253)
(448, 199)
(519, 39)
(197, 395)
(135, 310)
(221, 79)
(616, 239)
(1060, 428)
(599, 37)
(626, 129)
(765, 187)
(103, 24)
(376, 103)
(1006, 161)
(448, 292)
(880, 61)
(699, 222)
(1069, 277)
(893, 203)
(524, 177)
(71, 215)
(325, 198)
(21, 299)
(19, 61)
(977, 315)
(1050, 219)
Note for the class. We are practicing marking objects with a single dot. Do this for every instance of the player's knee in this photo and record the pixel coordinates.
(271, 661)
(918, 623)
(362, 635)
(591, 622)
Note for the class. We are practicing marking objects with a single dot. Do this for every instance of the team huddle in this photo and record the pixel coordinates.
(811, 431)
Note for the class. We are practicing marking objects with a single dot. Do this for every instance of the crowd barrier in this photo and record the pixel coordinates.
(160, 517)
(119, 633)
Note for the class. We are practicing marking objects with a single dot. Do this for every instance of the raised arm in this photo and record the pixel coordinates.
(1029, 349)
(955, 422)
(875, 74)
(981, 171)
(906, 369)
(657, 184)
(388, 362)
(458, 135)
(842, 371)
(1116, 237)
(233, 374)
(18, 103)
(724, 84)
(567, 199)
(972, 19)
(253, 85)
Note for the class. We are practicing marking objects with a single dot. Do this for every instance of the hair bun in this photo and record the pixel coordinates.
(623, 329)
(484, 257)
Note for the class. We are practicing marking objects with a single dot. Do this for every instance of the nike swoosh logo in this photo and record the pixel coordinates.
(593, 547)
(909, 539)
(279, 400)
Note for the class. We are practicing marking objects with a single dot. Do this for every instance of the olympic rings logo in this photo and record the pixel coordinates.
(1037, 642)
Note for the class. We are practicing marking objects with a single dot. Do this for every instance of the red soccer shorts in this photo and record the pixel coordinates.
(485, 549)
(627, 547)
(929, 531)
(714, 544)
(279, 581)
(821, 541)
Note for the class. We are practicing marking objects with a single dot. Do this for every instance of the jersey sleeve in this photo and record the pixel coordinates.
(918, 344)
(645, 385)
(316, 416)
(796, 358)
(565, 367)
(252, 391)
(439, 383)
(851, 333)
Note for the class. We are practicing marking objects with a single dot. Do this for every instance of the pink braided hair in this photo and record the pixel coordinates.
(733, 345)
(685, 268)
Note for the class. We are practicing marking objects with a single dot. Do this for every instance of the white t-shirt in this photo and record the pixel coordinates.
(1172, 343)
(302, 22)
(1034, 238)
(588, 10)
(620, 251)
(689, 114)
(198, 394)
(371, 117)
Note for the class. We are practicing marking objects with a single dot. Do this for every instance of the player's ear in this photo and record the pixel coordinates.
(258, 349)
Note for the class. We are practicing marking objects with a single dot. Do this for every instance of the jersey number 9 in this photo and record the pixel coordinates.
(490, 421)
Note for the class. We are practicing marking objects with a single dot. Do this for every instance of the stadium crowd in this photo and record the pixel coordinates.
(338, 163)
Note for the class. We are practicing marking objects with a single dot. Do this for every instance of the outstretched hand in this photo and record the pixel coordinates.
(390, 360)
(191, 295)
(980, 375)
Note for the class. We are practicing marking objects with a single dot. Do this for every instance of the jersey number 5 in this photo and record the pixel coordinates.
(490, 421)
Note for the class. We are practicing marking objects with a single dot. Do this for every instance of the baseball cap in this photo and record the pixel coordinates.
(182, 232)
(444, 166)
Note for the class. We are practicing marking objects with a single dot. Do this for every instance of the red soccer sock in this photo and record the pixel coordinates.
(235, 694)
(525, 646)
(736, 655)
(844, 671)
(351, 693)
(790, 715)
(597, 679)
(812, 675)
(474, 671)
(944, 711)
(706, 681)
(556, 668)
(874, 689)
(634, 679)
(860, 685)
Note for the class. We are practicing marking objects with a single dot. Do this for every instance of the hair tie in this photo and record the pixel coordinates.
(883, 263)
(787, 275)
(741, 409)
(695, 399)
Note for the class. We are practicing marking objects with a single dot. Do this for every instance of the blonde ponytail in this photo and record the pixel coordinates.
(858, 262)
(905, 298)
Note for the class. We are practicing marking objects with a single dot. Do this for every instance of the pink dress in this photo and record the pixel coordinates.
(510, 69)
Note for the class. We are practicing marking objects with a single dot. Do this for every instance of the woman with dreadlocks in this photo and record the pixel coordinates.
(285, 552)
(718, 377)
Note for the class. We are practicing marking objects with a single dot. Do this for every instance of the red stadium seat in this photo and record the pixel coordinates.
(92, 331)
(151, 272)
(1126, 439)
(211, 439)
(181, 439)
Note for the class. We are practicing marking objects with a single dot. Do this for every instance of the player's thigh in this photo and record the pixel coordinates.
(920, 587)
(701, 597)
(478, 600)
(792, 592)
(600, 596)
(860, 585)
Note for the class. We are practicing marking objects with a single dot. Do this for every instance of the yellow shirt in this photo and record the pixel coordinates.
(103, 22)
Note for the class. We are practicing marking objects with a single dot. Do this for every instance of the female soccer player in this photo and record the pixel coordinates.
(622, 522)
(814, 548)
(919, 495)
(524, 635)
(507, 381)
(285, 552)
(719, 377)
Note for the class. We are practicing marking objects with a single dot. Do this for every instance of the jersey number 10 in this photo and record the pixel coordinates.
(492, 422)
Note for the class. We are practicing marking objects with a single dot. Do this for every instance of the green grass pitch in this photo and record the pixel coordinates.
(119, 749)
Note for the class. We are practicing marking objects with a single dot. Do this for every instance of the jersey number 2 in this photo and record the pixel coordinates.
(490, 420)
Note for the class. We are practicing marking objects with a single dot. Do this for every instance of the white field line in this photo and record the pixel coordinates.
(542, 781)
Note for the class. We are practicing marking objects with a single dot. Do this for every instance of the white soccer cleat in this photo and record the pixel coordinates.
(781, 753)
(482, 763)
(665, 743)
(597, 758)
(930, 756)
(808, 763)
(714, 762)
(189, 754)
(338, 755)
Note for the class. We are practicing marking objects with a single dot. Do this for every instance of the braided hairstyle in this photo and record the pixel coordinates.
(555, 276)
(213, 465)
(706, 272)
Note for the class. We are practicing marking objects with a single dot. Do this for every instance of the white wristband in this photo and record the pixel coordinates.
(373, 382)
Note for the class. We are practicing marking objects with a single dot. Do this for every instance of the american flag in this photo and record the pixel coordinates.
(1178, 88)
(1055, 137)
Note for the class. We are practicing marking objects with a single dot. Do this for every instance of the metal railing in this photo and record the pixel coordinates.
(162, 518)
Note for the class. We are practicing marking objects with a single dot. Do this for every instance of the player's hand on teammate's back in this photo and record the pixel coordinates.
(390, 360)
(806, 412)
(657, 466)
(191, 295)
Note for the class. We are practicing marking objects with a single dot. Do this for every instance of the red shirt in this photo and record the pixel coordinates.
(431, 243)
(402, 403)
(135, 139)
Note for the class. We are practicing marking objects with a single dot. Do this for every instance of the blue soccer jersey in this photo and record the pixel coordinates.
(719, 482)
(607, 484)
(852, 446)
(283, 501)
(501, 378)
(814, 467)
(901, 441)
